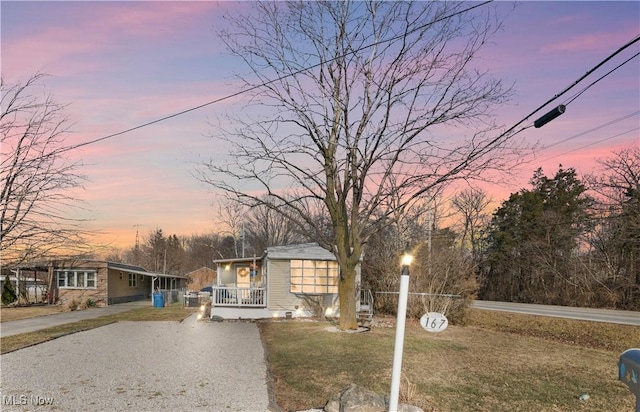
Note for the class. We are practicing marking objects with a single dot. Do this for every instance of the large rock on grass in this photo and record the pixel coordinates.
(355, 398)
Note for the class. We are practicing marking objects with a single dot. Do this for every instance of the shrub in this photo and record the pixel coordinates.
(72, 305)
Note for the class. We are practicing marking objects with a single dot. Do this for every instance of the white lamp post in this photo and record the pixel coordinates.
(399, 343)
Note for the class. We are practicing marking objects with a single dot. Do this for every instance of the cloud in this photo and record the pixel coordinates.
(586, 42)
(79, 36)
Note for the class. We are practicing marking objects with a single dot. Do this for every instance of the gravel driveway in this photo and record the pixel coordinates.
(141, 366)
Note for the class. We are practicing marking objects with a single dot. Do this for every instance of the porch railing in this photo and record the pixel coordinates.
(239, 297)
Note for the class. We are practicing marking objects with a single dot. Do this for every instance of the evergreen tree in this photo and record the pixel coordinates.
(8, 293)
(532, 241)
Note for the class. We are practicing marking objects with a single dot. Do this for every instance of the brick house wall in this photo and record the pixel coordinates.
(81, 295)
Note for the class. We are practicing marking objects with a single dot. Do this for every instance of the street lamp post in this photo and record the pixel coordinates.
(400, 323)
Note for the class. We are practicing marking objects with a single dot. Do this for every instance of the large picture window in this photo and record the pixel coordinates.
(314, 276)
(78, 279)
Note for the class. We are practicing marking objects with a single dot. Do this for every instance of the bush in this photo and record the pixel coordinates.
(444, 271)
(72, 305)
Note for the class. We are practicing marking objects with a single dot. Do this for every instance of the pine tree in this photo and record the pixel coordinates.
(8, 293)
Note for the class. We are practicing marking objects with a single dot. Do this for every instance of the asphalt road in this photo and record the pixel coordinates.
(595, 315)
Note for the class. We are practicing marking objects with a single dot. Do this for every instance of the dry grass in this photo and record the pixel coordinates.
(15, 342)
(8, 314)
(478, 367)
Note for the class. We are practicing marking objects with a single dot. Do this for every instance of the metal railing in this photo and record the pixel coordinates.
(239, 297)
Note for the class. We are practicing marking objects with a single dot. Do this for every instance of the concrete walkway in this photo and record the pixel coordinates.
(42, 322)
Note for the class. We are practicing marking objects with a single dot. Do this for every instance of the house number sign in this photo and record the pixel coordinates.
(434, 322)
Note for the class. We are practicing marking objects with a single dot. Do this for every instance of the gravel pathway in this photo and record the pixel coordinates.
(141, 366)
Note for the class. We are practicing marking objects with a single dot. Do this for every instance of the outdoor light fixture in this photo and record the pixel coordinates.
(400, 323)
(549, 116)
(407, 258)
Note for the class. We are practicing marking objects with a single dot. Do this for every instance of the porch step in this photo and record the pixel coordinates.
(364, 316)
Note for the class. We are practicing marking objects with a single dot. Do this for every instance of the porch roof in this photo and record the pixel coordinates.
(238, 260)
(140, 271)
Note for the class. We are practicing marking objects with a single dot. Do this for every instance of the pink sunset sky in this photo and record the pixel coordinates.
(121, 64)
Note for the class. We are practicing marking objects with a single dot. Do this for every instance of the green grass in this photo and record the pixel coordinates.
(538, 365)
(171, 313)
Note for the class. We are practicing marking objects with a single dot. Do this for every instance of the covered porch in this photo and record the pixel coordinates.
(240, 283)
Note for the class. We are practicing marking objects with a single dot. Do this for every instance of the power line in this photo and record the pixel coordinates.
(480, 152)
(266, 83)
(601, 77)
(510, 132)
(591, 144)
(593, 129)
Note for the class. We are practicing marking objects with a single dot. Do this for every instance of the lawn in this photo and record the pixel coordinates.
(24, 312)
(498, 362)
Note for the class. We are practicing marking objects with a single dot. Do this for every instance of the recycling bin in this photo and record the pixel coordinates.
(629, 372)
(158, 300)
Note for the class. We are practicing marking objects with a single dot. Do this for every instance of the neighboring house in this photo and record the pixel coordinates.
(104, 283)
(200, 278)
(287, 281)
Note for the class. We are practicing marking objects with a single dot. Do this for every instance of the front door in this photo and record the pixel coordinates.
(243, 282)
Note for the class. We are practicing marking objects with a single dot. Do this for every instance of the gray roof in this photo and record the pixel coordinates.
(125, 266)
(311, 251)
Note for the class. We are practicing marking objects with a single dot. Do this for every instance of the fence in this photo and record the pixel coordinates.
(171, 296)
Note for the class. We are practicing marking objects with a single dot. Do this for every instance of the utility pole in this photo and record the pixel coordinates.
(136, 251)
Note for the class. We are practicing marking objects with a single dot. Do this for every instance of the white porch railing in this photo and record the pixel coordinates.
(239, 297)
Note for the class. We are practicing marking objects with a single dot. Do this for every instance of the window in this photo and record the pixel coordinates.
(314, 276)
(133, 280)
(78, 279)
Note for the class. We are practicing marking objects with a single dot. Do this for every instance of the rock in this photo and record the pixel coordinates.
(409, 408)
(355, 398)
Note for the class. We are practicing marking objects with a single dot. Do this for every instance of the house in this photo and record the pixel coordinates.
(102, 283)
(201, 278)
(287, 281)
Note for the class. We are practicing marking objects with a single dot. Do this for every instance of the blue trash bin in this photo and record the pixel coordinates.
(629, 372)
(158, 300)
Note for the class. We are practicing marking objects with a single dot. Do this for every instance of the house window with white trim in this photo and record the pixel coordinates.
(76, 279)
(133, 280)
(314, 276)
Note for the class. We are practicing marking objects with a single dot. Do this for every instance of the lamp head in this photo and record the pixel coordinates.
(407, 258)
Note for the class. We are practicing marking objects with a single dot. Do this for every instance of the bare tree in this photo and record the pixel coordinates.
(471, 204)
(350, 100)
(265, 227)
(38, 180)
(615, 242)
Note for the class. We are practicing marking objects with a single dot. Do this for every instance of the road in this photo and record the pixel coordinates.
(595, 315)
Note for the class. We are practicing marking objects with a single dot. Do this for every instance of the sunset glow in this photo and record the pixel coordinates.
(122, 64)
